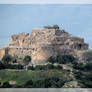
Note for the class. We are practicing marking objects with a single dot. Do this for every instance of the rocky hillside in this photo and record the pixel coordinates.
(43, 43)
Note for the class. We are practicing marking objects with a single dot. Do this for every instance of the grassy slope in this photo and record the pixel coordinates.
(22, 77)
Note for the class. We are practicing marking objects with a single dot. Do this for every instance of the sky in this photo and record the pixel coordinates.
(74, 18)
(46, 1)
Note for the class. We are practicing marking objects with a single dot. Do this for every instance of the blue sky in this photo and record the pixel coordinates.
(74, 18)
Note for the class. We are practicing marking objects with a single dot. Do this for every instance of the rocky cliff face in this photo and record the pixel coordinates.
(43, 43)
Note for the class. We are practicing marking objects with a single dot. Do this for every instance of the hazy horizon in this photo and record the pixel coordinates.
(75, 19)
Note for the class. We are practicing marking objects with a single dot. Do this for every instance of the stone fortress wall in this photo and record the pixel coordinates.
(43, 43)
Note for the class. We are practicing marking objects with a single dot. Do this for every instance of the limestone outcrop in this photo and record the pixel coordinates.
(43, 43)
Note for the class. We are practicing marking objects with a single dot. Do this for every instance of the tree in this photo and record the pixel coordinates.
(52, 59)
(59, 67)
(26, 61)
(63, 59)
(15, 58)
(28, 84)
(50, 66)
(88, 66)
(2, 65)
(6, 85)
(59, 58)
(55, 26)
(7, 59)
(48, 27)
(31, 68)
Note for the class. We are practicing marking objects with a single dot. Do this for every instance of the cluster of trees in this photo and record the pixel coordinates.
(5, 85)
(45, 67)
(62, 59)
(84, 78)
(84, 67)
(83, 73)
(8, 62)
(51, 82)
(52, 27)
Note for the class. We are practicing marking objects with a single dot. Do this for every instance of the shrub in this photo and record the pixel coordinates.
(55, 26)
(52, 59)
(45, 67)
(46, 82)
(38, 84)
(78, 74)
(31, 68)
(26, 60)
(48, 27)
(84, 67)
(6, 85)
(52, 27)
(59, 59)
(2, 65)
(88, 84)
(61, 82)
(40, 67)
(79, 66)
(85, 79)
(7, 58)
(15, 58)
(88, 66)
(87, 56)
(28, 84)
(50, 66)
(63, 59)
(10, 66)
(59, 67)
(89, 76)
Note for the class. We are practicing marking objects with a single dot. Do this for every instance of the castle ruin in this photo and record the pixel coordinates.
(43, 43)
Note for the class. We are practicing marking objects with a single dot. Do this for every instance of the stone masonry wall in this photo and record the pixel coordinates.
(43, 43)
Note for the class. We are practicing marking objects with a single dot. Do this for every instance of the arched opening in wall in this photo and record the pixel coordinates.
(80, 46)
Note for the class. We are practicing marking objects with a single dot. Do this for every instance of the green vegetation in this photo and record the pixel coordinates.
(37, 78)
(62, 59)
(84, 67)
(52, 82)
(10, 66)
(2, 65)
(52, 59)
(45, 67)
(83, 74)
(55, 26)
(6, 85)
(7, 59)
(52, 27)
(26, 60)
(88, 56)
(53, 75)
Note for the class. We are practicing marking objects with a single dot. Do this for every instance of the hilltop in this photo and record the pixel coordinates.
(44, 43)
(46, 58)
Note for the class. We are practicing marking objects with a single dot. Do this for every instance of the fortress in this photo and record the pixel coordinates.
(43, 43)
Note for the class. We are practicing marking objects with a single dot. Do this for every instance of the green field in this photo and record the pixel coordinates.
(21, 77)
